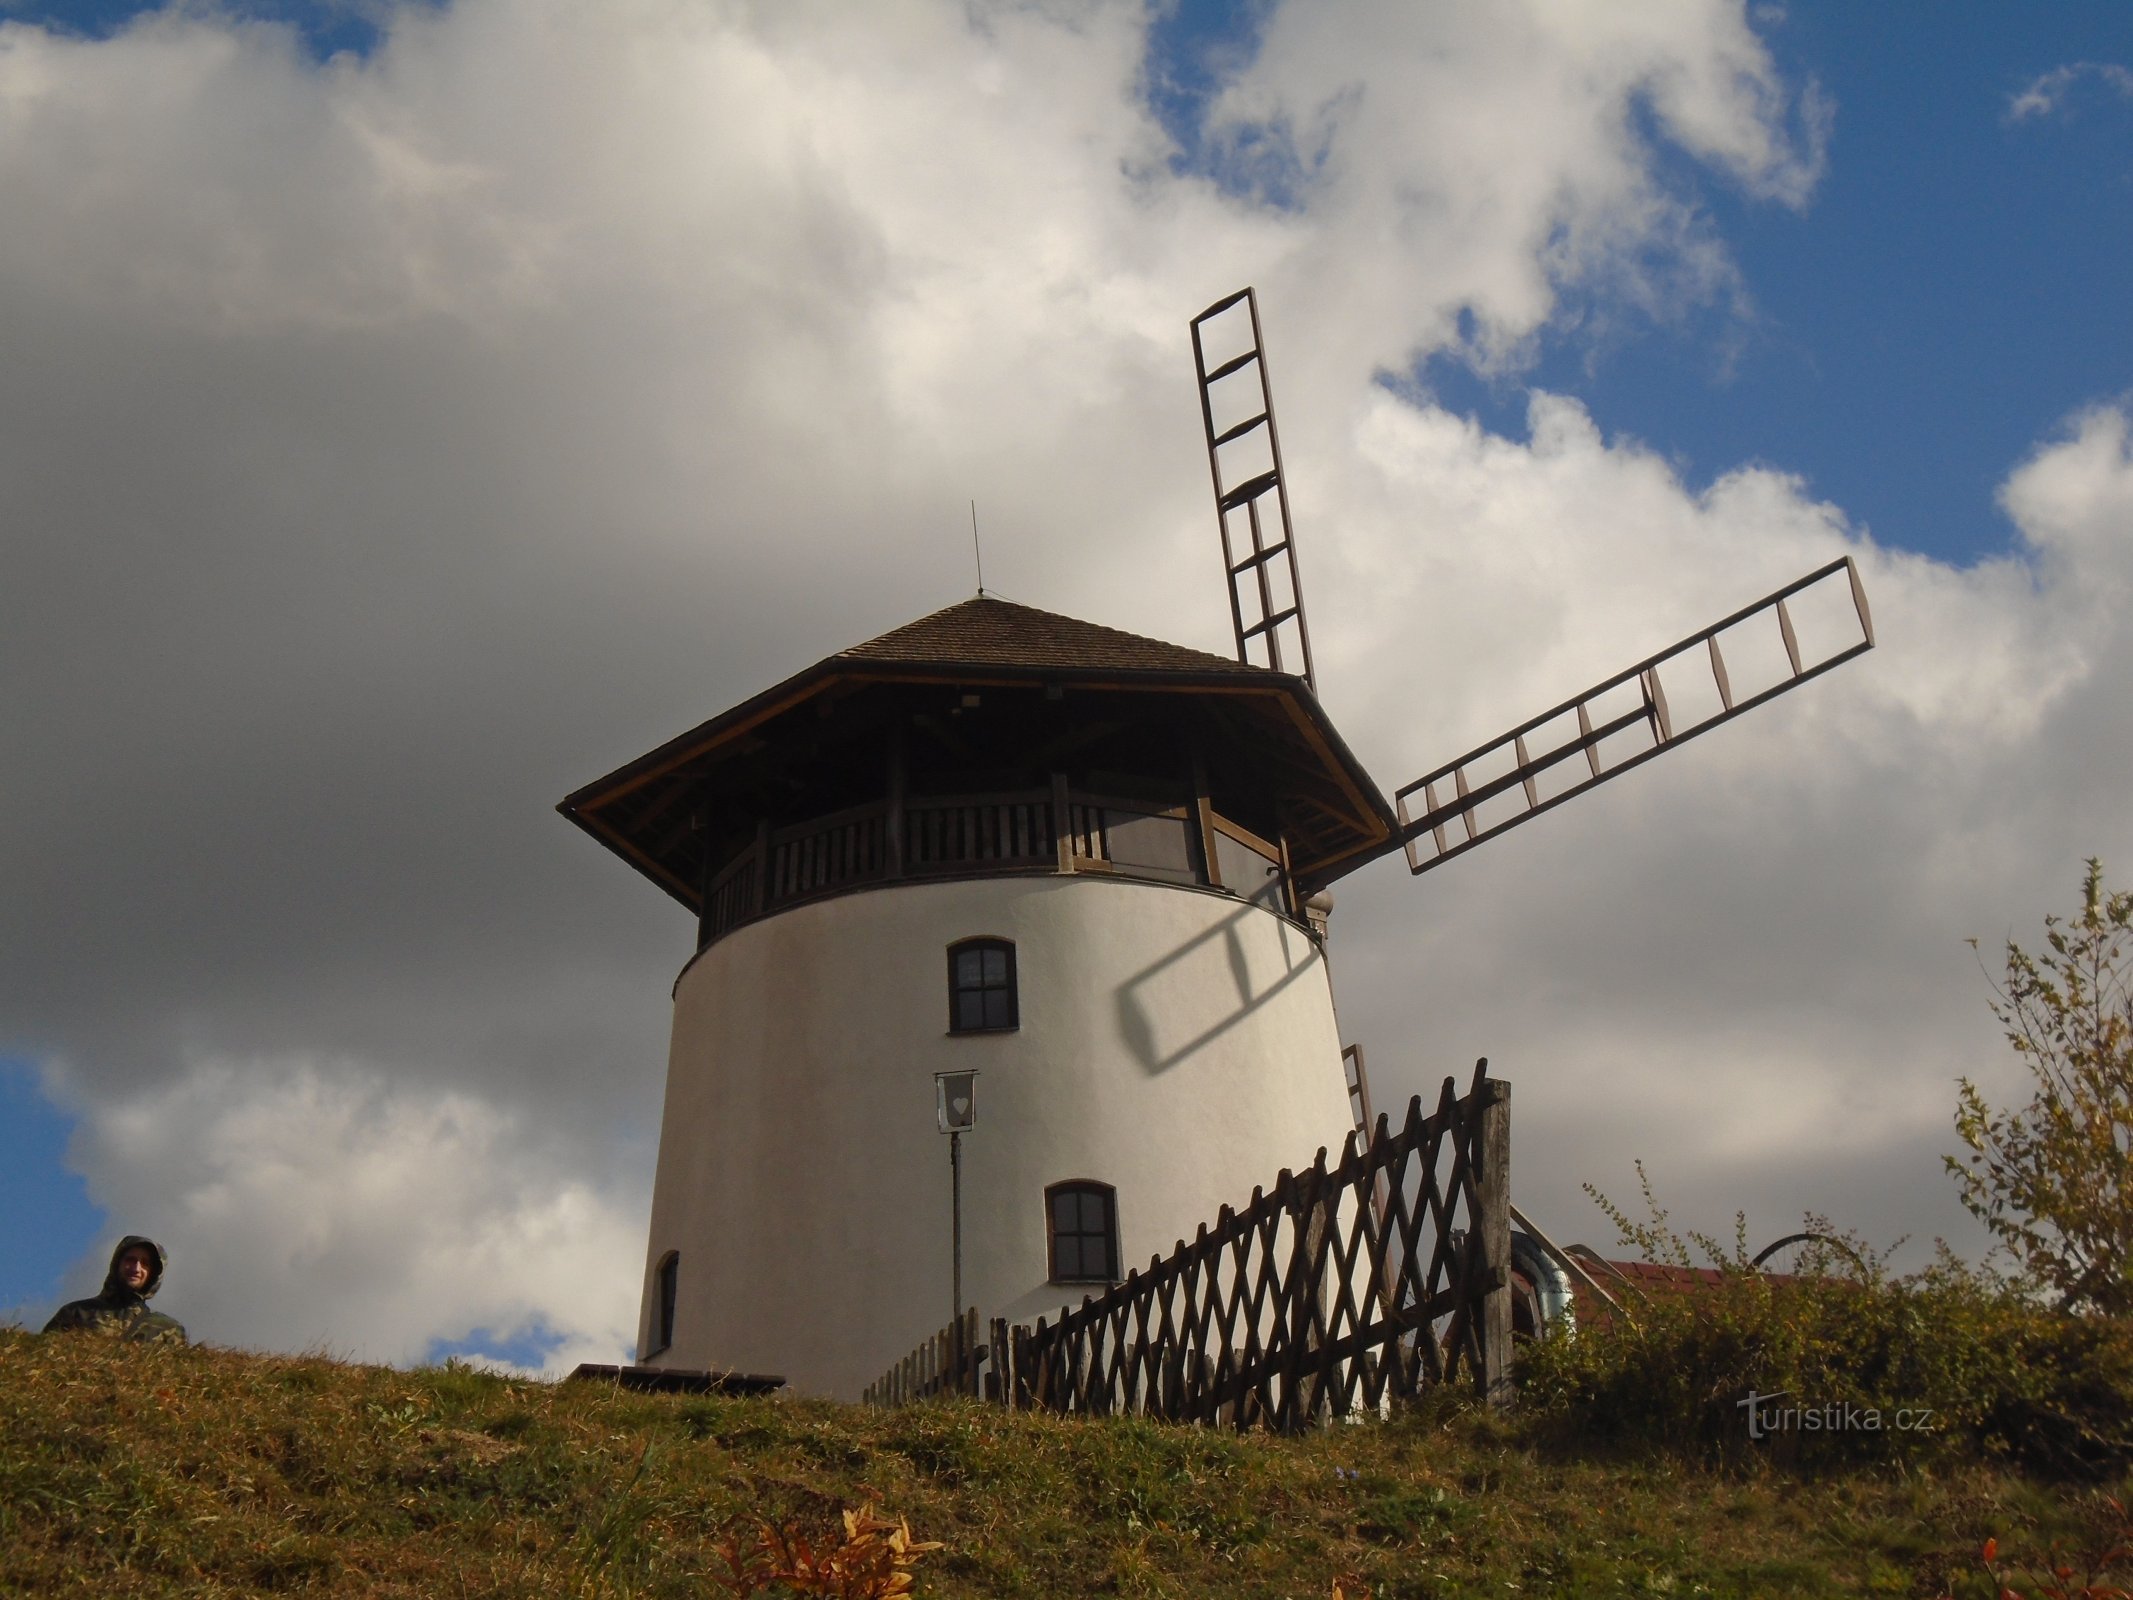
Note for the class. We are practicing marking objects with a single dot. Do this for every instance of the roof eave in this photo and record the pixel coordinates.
(1372, 814)
(825, 674)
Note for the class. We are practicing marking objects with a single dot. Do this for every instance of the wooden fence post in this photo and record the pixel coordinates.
(1492, 1099)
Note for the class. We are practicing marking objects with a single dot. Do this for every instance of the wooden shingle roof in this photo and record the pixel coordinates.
(991, 632)
(1334, 817)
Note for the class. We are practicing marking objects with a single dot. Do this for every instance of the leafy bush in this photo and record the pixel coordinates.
(1948, 1363)
(2054, 1180)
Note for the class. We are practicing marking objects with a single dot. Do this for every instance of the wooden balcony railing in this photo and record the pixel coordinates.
(965, 834)
(1005, 830)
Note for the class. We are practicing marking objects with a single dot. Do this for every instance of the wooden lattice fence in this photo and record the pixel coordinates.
(1338, 1288)
(949, 1362)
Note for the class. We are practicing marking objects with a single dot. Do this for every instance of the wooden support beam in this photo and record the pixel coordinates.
(1204, 811)
(1492, 1189)
(1062, 822)
(893, 826)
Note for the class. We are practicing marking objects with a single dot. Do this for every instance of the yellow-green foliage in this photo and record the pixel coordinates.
(2054, 1180)
(2003, 1378)
(130, 1471)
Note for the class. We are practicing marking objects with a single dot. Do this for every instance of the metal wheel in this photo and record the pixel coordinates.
(1810, 1255)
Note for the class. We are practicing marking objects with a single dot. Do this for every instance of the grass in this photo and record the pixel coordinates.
(132, 1470)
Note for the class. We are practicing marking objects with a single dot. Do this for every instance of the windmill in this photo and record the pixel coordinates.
(1111, 848)
(1619, 723)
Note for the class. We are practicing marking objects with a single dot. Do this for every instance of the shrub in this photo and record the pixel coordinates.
(2054, 1180)
(1843, 1370)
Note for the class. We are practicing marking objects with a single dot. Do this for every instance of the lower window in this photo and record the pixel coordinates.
(667, 1281)
(1082, 1220)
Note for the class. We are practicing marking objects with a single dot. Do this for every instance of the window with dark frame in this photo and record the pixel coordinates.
(669, 1281)
(1082, 1221)
(981, 987)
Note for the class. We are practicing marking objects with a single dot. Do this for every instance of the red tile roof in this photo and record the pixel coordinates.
(1661, 1275)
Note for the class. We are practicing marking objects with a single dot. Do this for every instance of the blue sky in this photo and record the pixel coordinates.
(1946, 303)
(1953, 289)
(57, 1220)
(326, 30)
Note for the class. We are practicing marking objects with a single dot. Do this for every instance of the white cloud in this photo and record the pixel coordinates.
(1491, 159)
(2073, 501)
(2047, 92)
(393, 445)
(318, 1205)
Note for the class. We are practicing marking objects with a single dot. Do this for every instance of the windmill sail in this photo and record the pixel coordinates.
(1630, 718)
(1251, 496)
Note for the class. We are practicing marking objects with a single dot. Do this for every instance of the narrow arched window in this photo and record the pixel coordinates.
(666, 1281)
(1082, 1223)
(981, 987)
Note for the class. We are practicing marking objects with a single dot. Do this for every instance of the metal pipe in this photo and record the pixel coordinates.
(955, 1183)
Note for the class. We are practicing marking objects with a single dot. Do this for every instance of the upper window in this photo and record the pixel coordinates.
(1082, 1220)
(981, 987)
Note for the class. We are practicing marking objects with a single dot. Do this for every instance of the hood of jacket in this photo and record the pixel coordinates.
(115, 1287)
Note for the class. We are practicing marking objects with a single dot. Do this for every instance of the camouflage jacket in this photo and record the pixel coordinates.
(120, 1312)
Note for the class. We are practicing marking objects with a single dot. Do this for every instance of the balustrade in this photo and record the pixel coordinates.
(964, 834)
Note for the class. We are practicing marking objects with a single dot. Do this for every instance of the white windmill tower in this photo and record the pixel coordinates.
(1081, 863)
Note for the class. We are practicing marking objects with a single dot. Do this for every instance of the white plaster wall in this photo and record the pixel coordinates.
(1174, 1042)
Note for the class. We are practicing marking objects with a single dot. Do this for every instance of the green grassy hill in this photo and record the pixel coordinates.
(144, 1470)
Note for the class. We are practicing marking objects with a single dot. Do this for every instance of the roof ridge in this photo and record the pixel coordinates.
(991, 631)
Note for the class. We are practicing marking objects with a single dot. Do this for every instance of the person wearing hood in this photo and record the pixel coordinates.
(121, 1311)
